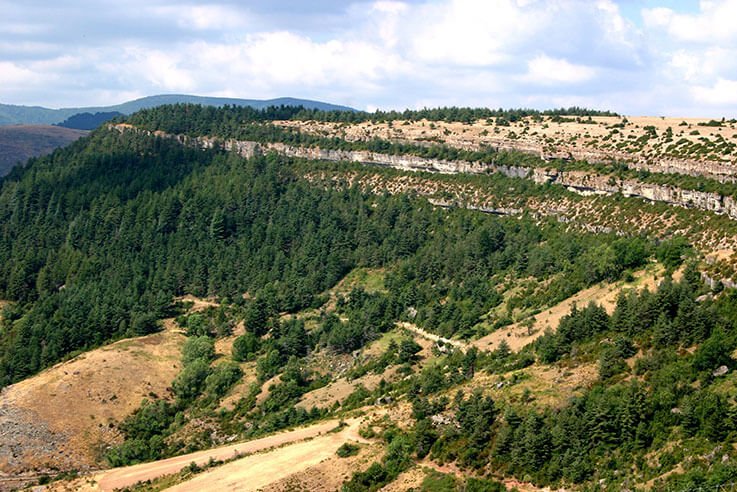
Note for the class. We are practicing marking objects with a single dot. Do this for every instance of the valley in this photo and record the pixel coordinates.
(392, 304)
(18, 143)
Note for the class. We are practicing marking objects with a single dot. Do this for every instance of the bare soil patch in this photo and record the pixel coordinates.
(340, 389)
(198, 303)
(410, 479)
(116, 478)
(65, 416)
(329, 474)
(259, 470)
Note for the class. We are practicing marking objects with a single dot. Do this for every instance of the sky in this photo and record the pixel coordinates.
(636, 57)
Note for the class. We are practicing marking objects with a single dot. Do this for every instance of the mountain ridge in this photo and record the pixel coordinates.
(11, 114)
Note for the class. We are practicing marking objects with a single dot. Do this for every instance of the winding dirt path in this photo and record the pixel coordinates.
(517, 335)
(125, 477)
(258, 470)
(431, 336)
(604, 294)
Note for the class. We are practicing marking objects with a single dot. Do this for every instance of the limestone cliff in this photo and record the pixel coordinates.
(581, 182)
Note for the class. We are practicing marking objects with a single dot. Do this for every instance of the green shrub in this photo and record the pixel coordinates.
(189, 384)
(195, 348)
(347, 449)
(245, 347)
(220, 380)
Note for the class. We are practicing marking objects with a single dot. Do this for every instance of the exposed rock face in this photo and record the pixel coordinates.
(581, 182)
(721, 171)
(24, 439)
(586, 183)
(577, 181)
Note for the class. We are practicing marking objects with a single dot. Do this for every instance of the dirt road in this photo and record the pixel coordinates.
(604, 294)
(431, 336)
(124, 477)
(259, 470)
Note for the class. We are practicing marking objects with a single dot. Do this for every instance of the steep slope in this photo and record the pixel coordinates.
(338, 287)
(64, 418)
(18, 143)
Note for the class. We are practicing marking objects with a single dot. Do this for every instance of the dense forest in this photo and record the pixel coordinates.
(272, 113)
(97, 239)
(89, 121)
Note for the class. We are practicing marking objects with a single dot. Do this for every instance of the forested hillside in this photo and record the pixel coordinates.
(99, 238)
(88, 121)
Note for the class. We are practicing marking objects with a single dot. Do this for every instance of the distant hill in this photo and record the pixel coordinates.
(88, 121)
(18, 143)
(36, 115)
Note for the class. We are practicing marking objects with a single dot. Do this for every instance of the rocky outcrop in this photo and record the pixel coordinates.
(486, 210)
(723, 171)
(587, 183)
(576, 181)
(581, 182)
(25, 439)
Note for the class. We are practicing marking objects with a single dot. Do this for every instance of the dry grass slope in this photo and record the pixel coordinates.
(64, 417)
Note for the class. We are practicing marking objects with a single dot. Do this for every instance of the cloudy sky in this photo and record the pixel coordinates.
(656, 57)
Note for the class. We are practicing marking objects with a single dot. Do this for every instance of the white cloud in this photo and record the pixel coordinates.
(713, 22)
(546, 70)
(377, 53)
(203, 17)
(14, 75)
(284, 59)
(722, 93)
(386, 20)
(468, 32)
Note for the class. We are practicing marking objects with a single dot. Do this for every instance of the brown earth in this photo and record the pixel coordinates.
(410, 479)
(258, 470)
(242, 388)
(431, 336)
(340, 389)
(329, 474)
(65, 416)
(317, 437)
(198, 303)
(548, 386)
(517, 335)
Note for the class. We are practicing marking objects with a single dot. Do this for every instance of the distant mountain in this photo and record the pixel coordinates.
(88, 121)
(18, 143)
(36, 115)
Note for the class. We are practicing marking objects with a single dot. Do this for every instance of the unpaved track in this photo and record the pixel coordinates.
(431, 336)
(259, 470)
(604, 294)
(125, 477)
(516, 336)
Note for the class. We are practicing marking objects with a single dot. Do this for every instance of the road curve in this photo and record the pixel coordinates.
(117, 478)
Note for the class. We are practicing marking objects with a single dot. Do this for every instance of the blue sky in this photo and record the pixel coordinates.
(655, 57)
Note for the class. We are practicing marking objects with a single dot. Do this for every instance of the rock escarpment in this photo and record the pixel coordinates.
(581, 182)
